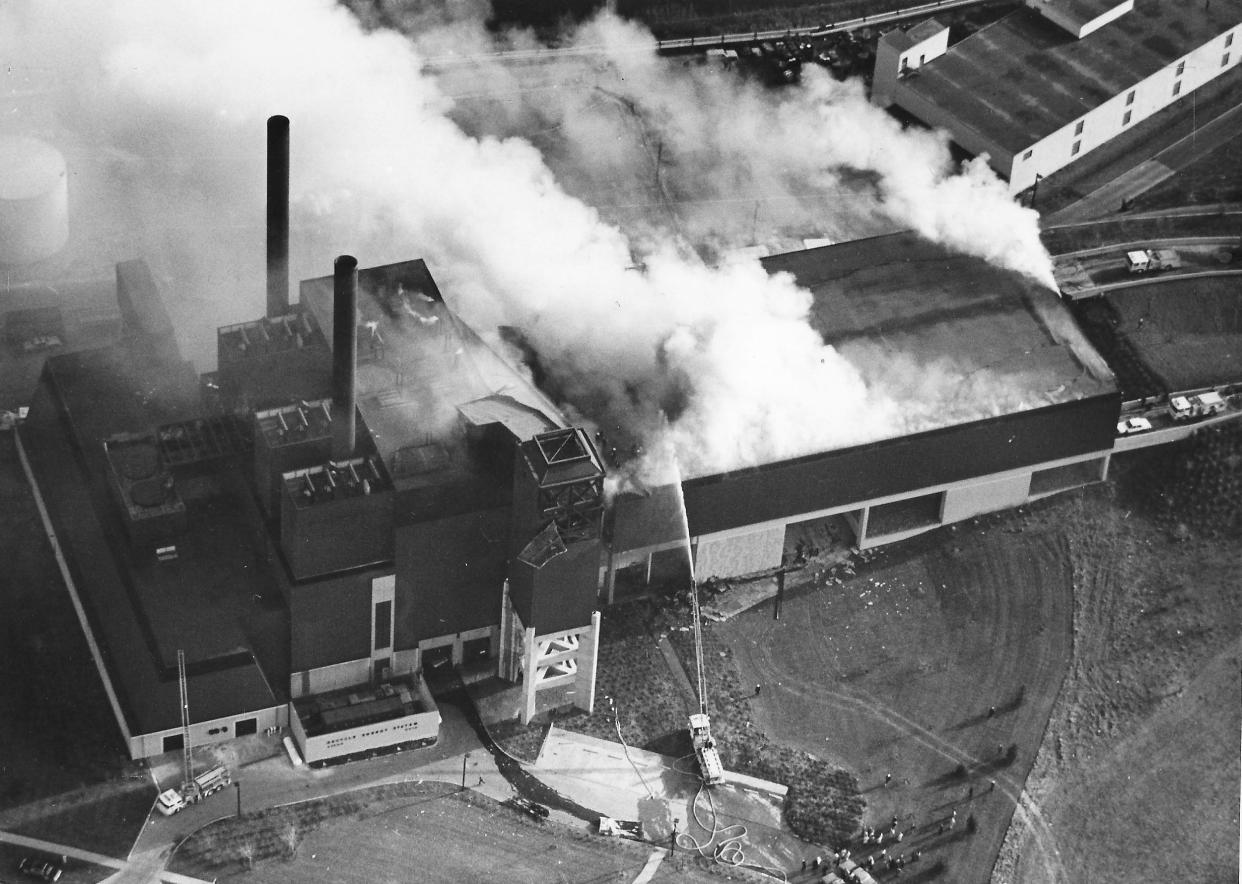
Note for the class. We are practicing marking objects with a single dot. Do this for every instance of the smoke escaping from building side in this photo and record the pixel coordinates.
(635, 328)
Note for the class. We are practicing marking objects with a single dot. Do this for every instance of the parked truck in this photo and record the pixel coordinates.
(1189, 406)
(1148, 260)
(172, 801)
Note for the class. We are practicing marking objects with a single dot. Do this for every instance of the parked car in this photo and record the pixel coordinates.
(40, 868)
(527, 806)
(1133, 425)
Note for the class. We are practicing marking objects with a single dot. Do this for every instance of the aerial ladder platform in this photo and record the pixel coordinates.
(705, 750)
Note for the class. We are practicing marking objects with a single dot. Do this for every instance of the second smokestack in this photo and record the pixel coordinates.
(344, 355)
(277, 216)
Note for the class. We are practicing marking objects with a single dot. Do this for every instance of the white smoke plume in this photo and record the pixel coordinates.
(636, 330)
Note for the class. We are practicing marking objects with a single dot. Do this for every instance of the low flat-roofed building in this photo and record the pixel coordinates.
(1052, 81)
(365, 719)
(1043, 421)
(102, 423)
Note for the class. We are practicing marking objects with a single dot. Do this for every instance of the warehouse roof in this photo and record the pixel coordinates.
(143, 610)
(900, 39)
(1022, 78)
(901, 297)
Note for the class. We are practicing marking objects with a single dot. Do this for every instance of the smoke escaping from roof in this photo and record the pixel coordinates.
(637, 330)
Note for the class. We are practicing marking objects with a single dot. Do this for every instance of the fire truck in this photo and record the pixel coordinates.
(173, 801)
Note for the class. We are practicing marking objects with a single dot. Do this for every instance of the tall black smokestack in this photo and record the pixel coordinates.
(277, 216)
(344, 354)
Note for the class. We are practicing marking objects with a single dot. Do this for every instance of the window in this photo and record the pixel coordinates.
(383, 625)
(1224, 59)
(246, 727)
(905, 63)
(1078, 128)
(922, 58)
(1177, 88)
(1228, 40)
(1076, 148)
(1181, 68)
(1130, 98)
(1125, 121)
(1027, 155)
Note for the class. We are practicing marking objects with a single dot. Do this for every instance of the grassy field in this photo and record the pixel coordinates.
(1189, 332)
(411, 832)
(1211, 179)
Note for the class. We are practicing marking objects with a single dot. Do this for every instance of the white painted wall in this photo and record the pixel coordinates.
(732, 554)
(985, 497)
(891, 62)
(1109, 119)
(423, 726)
(148, 745)
(1062, 14)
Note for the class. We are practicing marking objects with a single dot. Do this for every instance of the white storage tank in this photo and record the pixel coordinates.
(34, 200)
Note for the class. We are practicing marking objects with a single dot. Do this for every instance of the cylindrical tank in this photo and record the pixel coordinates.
(34, 200)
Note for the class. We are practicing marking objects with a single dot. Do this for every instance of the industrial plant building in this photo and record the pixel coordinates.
(363, 491)
(1056, 79)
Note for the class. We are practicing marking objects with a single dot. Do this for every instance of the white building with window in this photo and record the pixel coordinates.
(1051, 82)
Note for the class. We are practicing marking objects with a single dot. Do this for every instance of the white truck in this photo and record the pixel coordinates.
(1194, 405)
(172, 801)
(1147, 260)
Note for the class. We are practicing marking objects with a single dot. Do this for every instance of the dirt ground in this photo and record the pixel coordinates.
(893, 673)
(1109, 651)
(1138, 774)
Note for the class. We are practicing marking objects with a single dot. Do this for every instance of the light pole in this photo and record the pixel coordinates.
(464, 759)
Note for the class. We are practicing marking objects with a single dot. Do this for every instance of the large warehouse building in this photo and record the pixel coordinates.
(1056, 79)
(904, 298)
(363, 490)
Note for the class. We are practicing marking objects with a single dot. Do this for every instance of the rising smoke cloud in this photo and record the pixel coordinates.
(636, 329)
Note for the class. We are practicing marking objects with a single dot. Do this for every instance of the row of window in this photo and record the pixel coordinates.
(1125, 119)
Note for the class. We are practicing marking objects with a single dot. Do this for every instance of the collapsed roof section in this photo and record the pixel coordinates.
(431, 393)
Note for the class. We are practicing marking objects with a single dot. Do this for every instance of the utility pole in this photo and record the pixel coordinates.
(464, 759)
